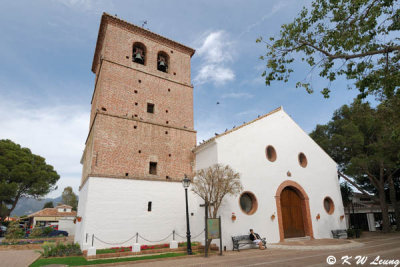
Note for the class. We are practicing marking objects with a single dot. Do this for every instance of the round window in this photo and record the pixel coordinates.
(270, 153)
(248, 203)
(303, 160)
(328, 205)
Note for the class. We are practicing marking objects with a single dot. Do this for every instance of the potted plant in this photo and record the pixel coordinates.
(233, 217)
(79, 218)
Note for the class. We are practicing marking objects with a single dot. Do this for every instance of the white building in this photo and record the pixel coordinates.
(291, 189)
(62, 216)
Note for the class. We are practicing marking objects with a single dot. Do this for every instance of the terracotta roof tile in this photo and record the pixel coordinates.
(52, 212)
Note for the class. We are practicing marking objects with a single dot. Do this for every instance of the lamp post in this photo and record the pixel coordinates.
(186, 184)
(352, 205)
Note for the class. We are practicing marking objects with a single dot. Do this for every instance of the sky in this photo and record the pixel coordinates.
(46, 83)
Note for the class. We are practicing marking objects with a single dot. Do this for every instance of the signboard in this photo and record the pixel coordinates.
(213, 227)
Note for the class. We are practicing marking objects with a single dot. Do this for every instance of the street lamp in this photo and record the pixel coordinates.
(186, 184)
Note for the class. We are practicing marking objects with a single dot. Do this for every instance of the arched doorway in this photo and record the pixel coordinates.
(292, 215)
(293, 210)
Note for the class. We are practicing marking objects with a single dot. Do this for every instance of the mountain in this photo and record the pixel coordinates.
(26, 206)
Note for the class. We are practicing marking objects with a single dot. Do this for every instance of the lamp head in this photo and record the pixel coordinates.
(186, 182)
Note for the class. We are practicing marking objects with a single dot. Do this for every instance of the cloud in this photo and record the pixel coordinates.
(237, 95)
(56, 133)
(215, 53)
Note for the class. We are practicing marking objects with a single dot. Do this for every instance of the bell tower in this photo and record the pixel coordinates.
(141, 121)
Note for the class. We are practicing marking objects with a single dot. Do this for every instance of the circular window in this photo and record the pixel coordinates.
(248, 203)
(303, 160)
(270, 153)
(328, 205)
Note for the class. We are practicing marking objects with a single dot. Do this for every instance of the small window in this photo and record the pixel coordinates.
(303, 160)
(162, 62)
(270, 153)
(139, 53)
(150, 108)
(149, 206)
(248, 203)
(153, 168)
(65, 210)
(328, 205)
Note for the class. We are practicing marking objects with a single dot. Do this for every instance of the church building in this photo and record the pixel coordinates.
(141, 142)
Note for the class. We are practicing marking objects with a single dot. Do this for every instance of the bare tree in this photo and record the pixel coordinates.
(213, 184)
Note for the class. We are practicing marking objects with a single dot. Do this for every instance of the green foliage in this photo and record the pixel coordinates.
(70, 198)
(363, 140)
(346, 192)
(14, 231)
(36, 232)
(60, 249)
(22, 174)
(47, 231)
(48, 204)
(357, 39)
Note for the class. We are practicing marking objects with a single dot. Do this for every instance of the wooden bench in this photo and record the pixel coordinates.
(340, 233)
(244, 240)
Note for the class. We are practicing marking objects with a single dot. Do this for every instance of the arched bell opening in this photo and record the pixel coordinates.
(139, 53)
(162, 61)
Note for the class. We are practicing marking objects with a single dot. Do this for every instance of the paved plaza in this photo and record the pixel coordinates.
(386, 247)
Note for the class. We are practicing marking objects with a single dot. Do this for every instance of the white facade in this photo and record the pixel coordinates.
(114, 210)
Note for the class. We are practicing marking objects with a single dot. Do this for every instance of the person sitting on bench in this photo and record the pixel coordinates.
(256, 239)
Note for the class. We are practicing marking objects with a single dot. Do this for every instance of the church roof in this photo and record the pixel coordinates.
(235, 129)
(106, 18)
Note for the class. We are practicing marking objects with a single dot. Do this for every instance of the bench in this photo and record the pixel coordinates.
(243, 240)
(340, 233)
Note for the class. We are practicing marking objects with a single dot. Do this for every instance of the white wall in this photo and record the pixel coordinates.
(116, 209)
(244, 151)
(67, 224)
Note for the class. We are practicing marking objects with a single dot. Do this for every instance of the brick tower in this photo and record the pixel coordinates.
(141, 121)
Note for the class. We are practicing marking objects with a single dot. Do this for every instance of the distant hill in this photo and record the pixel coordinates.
(26, 206)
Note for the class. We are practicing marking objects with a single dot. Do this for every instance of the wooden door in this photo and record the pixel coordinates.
(292, 213)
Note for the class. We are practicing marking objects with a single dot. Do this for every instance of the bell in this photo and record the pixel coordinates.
(162, 65)
(138, 57)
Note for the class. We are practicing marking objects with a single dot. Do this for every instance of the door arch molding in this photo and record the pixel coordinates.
(305, 206)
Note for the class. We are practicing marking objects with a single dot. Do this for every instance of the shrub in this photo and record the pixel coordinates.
(36, 232)
(60, 249)
(47, 231)
(14, 231)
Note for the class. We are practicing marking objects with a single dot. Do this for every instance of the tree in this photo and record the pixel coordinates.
(48, 204)
(213, 184)
(22, 174)
(358, 139)
(346, 192)
(69, 198)
(356, 39)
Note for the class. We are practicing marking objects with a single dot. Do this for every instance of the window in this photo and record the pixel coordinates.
(139, 53)
(149, 206)
(248, 203)
(150, 108)
(162, 61)
(303, 160)
(270, 153)
(328, 205)
(153, 168)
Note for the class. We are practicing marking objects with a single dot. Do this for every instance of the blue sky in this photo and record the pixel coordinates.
(46, 52)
